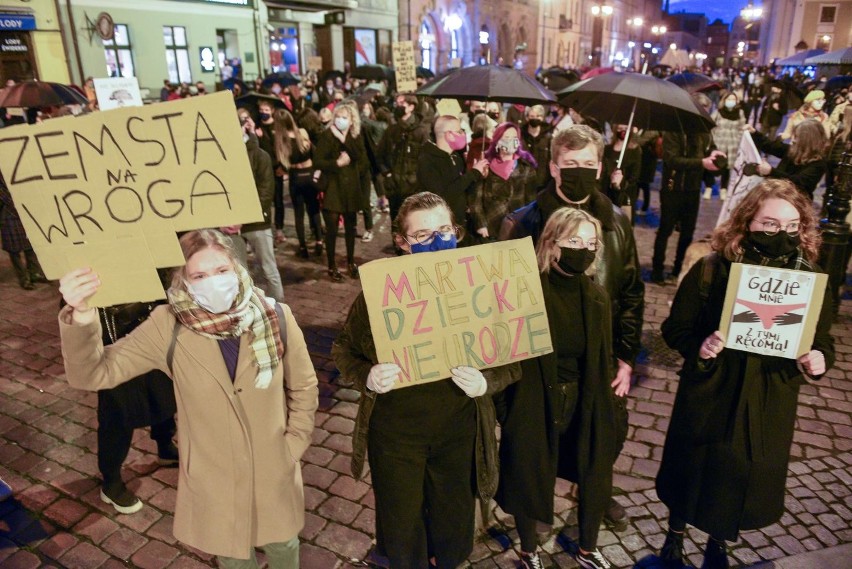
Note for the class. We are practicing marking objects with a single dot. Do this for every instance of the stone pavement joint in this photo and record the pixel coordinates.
(56, 518)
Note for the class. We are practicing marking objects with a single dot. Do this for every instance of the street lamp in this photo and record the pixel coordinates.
(599, 12)
(634, 24)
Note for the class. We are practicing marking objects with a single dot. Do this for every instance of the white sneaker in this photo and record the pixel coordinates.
(367, 237)
(723, 194)
(707, 193)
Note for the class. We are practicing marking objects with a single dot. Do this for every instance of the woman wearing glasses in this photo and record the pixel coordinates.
(724, 463)
(431, 446)
(559, 419)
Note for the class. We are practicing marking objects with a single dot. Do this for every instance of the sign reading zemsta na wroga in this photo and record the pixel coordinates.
(476, 306)
(109, 190)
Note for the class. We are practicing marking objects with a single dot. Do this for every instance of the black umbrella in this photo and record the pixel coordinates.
(233, 82)
(694, 82)
(424, 73)
(636, 100)
(254, 99)
(283, 78)
(488, 83)
(373, 72)
(333, 74)
(32, 94)
(557, 78)
(837, 83)
(793, 96)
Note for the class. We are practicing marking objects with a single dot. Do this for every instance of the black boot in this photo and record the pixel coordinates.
(715, 555)
(671, 554)
(34, 268)
(21, 271)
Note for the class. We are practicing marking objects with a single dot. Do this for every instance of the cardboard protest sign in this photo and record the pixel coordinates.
(314, 63)
(449, 107)
(773, 312)
(477, 306)
(740, 184)
(110, 189)
(117, 92)
(403, 64)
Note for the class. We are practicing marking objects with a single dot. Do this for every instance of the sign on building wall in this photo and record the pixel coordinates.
(17, 22)
(477, 306)
(403, 64)
(117, 92)
(109, 190)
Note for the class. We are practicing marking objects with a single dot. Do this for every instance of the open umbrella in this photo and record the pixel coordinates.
(283, 78)
(254, 99)
(233, 82)
(837, 83)
(332, 75)
(32, 94)
(557, 78)
(488, 83)
(694, 82)
(636, 100)
(424, 73)
(595, 72)
(373, 72)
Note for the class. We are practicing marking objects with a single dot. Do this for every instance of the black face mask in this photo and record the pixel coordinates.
(534, 122)
(578, 183)
(494, 116)
(472, 115)
(575, 261)
(398, 112)
(773, 246)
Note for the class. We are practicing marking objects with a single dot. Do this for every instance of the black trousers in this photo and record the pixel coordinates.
(350, 222)
(422, 472)
(278, 202)
(303, 195)
(114, 438)
(676, 208)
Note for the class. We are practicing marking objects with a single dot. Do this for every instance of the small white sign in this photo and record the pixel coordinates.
(117, 92)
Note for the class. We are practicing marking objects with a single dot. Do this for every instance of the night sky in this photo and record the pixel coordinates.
(726, 10)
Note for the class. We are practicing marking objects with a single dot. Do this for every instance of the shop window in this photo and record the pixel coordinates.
(827, 14)
(824, 42)
(284, 50)
(118, 52)
(454, 45)
(177, 54)
(427, 41)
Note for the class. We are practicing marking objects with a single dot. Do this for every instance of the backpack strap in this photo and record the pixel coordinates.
(170, 354)
(282, 325)
(708, 269)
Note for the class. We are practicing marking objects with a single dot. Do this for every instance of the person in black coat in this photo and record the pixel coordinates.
(802, 161)
(725, 458)
(559, 420)
(441, 169)
(342, 158)
(621, 184)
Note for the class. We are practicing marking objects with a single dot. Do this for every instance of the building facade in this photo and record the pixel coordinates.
(816, 24)
(31, 42)
(716, 45)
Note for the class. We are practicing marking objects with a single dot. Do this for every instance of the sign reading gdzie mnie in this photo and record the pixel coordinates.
(477, 306)
(773, 312)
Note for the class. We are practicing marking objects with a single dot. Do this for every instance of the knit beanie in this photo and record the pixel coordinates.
(814, 95)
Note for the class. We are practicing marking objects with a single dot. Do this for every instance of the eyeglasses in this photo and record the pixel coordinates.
(772, 227)
(425, 237)
(578, 243)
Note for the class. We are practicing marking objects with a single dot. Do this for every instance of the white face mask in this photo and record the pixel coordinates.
(730, 104)
(818, 104)
(342, 123)
(215, 294)
(276, 89)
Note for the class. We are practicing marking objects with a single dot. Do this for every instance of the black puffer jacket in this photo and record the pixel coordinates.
(617, 268)
(261, 167)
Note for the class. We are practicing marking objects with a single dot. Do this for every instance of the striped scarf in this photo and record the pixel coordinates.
(252, 313)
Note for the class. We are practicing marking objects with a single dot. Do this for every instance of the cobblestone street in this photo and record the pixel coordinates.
(56, 518)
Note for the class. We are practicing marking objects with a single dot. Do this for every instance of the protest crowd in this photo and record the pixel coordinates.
(220, 372)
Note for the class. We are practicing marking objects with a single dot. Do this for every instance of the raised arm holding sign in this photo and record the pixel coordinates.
(109, 190)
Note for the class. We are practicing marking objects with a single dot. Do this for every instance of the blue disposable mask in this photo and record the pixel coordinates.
(437, 244)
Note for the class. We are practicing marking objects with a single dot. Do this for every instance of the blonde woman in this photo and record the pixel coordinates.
(342, 158)
(246, 395)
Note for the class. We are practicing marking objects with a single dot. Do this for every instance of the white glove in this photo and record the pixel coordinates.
(382, 377)
(470, 380)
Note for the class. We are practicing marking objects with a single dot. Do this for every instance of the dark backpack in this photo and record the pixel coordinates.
(282, 328)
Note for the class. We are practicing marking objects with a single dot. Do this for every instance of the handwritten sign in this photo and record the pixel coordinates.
(110, 189)
(117, 92)
(773, 312)
(449, 107)
(403, 64)
(477, 306)
(314, 63)
(740, 184)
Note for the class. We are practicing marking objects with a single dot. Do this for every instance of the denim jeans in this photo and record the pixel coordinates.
(261, 244)
(283, 555)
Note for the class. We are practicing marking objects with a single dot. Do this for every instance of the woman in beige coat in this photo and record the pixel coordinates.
(246, 401)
